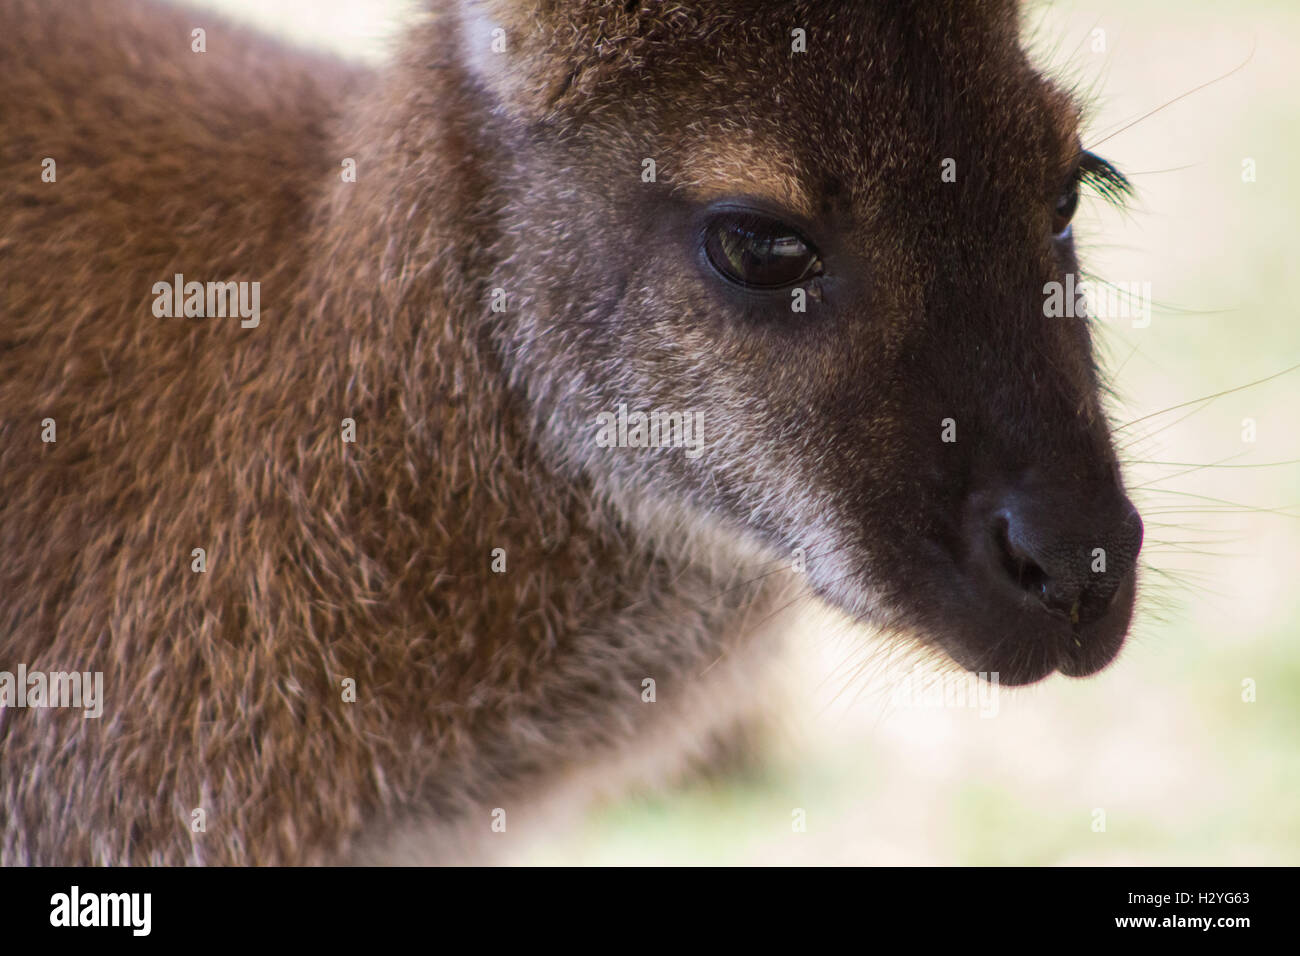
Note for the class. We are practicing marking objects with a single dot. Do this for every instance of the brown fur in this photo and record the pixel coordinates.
(326, 561)
(371, 561)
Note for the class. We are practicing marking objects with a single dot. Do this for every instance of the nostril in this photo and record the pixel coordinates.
(1021, 568)
(1071, 554)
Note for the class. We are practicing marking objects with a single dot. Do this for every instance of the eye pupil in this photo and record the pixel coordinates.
(1066, 205)
(758, 251)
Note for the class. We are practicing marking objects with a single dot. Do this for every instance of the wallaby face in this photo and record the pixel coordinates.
(840, 260)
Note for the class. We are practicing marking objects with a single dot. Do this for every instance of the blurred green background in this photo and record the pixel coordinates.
(1185, 770)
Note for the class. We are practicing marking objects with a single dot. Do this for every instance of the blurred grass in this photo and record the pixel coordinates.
(1186, 772)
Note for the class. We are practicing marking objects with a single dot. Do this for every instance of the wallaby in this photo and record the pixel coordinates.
(588, 337)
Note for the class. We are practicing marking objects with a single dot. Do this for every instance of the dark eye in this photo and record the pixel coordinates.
(758, 251)
(1066, 204)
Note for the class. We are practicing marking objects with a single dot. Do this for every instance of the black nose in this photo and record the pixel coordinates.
(1068, 548)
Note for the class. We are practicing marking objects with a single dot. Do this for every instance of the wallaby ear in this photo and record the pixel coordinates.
(524, 52)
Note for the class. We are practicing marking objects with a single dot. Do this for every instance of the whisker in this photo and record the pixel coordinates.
(1156, 172)
(1180, 464)
(1281, 509)
(1191, 469)
(1181, 96)
(1210, 398)
(1163, 308)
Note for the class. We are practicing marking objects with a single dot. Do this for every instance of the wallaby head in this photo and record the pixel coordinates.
(828, 228)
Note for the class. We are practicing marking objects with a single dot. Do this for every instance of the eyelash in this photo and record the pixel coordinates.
(1103, 179)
